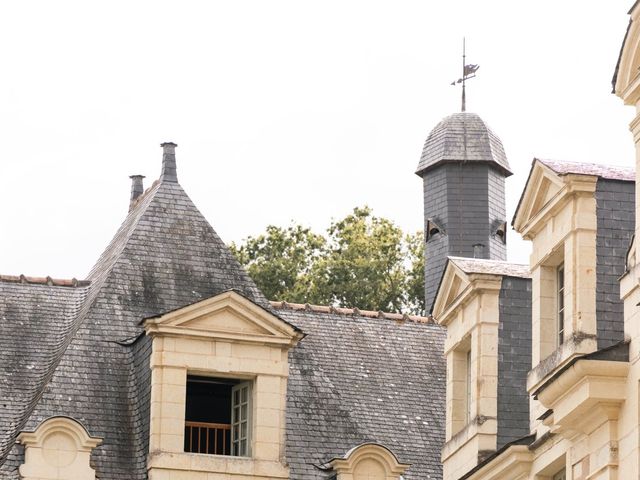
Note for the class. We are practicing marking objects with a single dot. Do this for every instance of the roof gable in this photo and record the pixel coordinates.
(227, 316)
(453, 284)
(626, 82)
(548, 184)
(542, 185)
(464, 277)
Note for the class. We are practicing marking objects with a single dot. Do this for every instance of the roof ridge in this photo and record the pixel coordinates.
(330, 309)
(473, 259)
(49, 281)
(575, 167)
(580, 162)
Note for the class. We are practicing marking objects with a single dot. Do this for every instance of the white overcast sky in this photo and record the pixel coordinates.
(282, 111)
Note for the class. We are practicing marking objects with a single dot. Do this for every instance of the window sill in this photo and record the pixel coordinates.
(575, 346)
(223, 464)
(483, 429)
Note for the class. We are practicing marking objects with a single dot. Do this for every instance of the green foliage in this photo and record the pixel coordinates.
(364, 261)
(415, 272)
(280, 260)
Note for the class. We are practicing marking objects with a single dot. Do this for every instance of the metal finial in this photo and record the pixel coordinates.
(468, 71)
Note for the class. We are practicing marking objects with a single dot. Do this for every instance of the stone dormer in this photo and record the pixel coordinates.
(219, 373)
(485, 306)
(580, 219)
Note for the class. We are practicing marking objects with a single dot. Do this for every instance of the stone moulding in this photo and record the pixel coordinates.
(584, 389)
(368, 460)
(60, 448)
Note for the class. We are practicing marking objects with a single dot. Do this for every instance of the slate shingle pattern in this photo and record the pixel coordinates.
(165, 255)
(615, 212)
(77, 349)
(356, 379)
(35, 320)
(463, 137)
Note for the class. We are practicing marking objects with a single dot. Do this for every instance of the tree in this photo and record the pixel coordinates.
(364, 261)
(280, 261)
(363, 266)
(415, 272)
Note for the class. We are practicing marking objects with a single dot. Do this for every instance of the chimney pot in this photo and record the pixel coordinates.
(169, 173)
(137, 189)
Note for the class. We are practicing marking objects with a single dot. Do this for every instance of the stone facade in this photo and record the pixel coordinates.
(581, 372)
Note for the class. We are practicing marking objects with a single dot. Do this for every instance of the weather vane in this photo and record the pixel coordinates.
(468, 71)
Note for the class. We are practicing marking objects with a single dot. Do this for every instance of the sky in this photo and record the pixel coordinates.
(283, 111)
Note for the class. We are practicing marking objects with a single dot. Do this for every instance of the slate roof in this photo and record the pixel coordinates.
(165, 255)
(35, 320)
(463, 137)
(356, 379)
(77, 349)
(491, 267)
(610, 172)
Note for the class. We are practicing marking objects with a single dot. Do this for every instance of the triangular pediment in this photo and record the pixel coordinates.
(226, 316)
(542, 187)
(225, 319)
(454, 283)
(627, 75)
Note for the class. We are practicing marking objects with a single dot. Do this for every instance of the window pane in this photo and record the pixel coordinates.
(244, 394)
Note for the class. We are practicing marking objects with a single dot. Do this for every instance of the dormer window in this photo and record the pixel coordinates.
(218, 387)
(217, 416)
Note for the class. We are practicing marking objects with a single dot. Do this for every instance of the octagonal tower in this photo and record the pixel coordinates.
(463, 167)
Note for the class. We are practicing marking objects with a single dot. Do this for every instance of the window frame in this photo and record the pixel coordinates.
(237, 386)
(560, 475)
(238, 401)
(560, 304)
(467, 392)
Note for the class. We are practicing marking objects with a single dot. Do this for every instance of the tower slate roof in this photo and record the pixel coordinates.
(463, 137)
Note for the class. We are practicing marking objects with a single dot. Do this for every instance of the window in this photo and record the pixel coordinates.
(241, 407)
(461, 400)
(560, 303)
(468, 387)
(218, 416)
(561, 475)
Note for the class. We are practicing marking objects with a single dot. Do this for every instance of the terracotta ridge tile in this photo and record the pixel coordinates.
(350, 312)
(52, 282)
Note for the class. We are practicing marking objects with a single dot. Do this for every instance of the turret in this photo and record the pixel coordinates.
(463, 167)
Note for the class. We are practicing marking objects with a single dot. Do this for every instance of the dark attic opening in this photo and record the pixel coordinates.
(217, 416)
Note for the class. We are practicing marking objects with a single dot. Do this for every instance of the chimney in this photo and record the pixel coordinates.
(478, 250)
(168, 173)
(137, 189)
